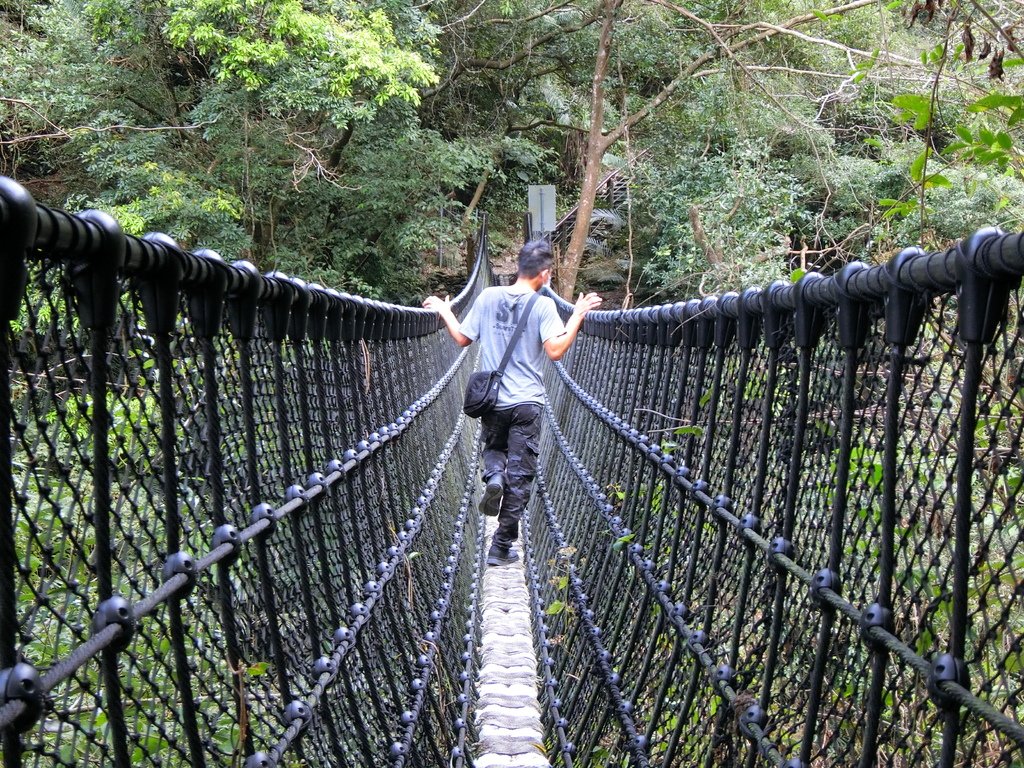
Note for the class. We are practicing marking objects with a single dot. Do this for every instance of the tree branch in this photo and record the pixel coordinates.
(534, 17)
(1009, 38)
(768, 31)
(547, 123)
(891, 57)
(527, 51)
(66, 133)
(463, 66)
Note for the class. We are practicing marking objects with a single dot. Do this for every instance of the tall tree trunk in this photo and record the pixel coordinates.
(467, 219)
(597, 145)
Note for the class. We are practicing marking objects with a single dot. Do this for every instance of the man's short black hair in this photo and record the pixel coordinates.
(534, 258)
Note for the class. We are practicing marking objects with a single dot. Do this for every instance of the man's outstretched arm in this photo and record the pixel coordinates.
(559, 345)
(443, 307)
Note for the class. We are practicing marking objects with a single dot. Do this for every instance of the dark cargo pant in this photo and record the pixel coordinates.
(511, 440)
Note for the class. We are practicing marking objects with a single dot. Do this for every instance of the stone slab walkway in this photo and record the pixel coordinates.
(508, 713)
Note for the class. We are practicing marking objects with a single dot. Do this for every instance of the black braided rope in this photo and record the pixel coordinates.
(804, 548)
(777, 528)
(178, 506)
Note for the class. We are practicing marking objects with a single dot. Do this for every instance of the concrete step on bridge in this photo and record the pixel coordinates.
(239, 524)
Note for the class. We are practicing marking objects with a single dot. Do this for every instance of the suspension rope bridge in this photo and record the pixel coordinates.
(238, 522)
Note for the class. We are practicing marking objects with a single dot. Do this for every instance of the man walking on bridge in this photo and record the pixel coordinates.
(511, 432)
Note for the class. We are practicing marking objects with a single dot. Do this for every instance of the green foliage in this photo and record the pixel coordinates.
(355, 52)
(251, 128)
(325, 137)
(748, 204)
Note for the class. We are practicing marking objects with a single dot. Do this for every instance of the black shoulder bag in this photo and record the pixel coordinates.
(482, 390)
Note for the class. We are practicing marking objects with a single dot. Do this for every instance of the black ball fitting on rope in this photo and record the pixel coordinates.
(947, 668)
(22, 683)
(259, 760)
(725, 674)
(181, 563)
(228, 534)
(298, 711)
(876, 615)
(780, 546)
(264, 512)
(824, 579)
(116, 610)
(344, 636)
(750, 522)
(752, 716)
(325, 665)
(681, 611)
(682, 475)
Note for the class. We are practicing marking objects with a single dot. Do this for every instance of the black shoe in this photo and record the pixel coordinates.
(498, 555)
(491, 502)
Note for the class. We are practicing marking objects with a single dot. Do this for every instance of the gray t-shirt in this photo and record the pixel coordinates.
(491, 321)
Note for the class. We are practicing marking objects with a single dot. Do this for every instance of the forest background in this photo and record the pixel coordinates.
(353, 143)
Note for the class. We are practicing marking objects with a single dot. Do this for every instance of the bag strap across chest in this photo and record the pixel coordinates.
(516, 334)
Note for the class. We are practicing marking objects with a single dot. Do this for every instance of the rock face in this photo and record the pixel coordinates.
(508, 713)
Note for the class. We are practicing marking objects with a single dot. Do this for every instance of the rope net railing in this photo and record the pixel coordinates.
(783, 527)
(238, 526)
(235, 511)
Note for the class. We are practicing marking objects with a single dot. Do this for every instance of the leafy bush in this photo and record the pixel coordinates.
(747, 204)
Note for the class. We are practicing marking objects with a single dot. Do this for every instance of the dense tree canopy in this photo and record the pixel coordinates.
(327, 137)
